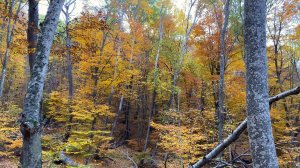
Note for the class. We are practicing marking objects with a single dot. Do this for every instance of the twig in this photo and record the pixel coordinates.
(126, 154)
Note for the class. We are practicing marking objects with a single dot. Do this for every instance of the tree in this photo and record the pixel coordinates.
(110, 84)
(32, 30)
(223, 60)
(155, 76)
(188, 29)
(67, 12)
(31, 121)
(259, 123)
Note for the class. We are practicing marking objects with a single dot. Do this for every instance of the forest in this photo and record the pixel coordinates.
(150, 83)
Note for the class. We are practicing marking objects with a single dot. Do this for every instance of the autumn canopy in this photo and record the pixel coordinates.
(150, 83)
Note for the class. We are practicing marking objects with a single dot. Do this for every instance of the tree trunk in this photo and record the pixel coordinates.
(154, 92)
(223, 57)
(30, 121)
(259, 122)
(67, 14)
(32, 30)
(127, 118)
(117, 116)
(69, 62)
(112, 91)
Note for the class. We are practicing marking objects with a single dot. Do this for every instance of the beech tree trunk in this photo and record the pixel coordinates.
(117, 116)
(30, 121)
(67, 14)
(223, 57)
(259, 122)
(68, 46)
(32, 30)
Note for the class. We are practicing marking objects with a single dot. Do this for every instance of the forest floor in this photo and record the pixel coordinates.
(121, 157)
(8, 163)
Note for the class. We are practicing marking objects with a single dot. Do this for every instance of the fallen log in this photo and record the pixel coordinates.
(239, 130)
(285, 94)
(64, 159)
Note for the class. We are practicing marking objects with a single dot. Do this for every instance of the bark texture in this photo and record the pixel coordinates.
(32, 30)
(67, 14)
(30, 122)
(259, 122)
(223, 57)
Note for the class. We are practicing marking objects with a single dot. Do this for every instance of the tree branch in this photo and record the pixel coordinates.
(239, 130)
(126, 154)
(285, 94)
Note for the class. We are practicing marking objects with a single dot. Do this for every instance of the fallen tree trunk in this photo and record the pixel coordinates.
(64, 159)
(68, 161)
(285, 94)
(239, 130)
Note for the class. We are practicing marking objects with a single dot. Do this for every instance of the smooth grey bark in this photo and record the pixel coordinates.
(223, 58)
(155, 76)
(259, 121)
(112, 88)
(32, 37)
(68, 161)
(30, 121)
(32, 30)
(9, 38)
(117, 116)
(67, 14)
(239, 130)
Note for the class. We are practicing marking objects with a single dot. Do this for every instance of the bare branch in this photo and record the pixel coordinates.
(215, 152)
(283, 95)
(126, 154)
